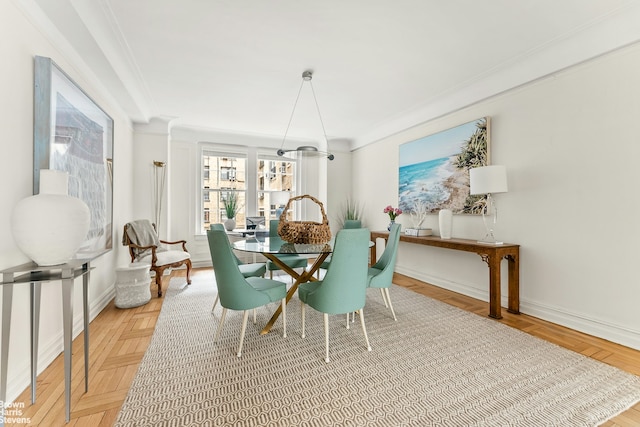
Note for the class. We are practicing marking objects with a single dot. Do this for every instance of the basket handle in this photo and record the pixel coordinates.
(283, 215)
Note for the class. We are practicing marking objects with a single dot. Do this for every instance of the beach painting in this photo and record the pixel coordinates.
(434, 170)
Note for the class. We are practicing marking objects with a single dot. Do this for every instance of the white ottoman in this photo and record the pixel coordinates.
(133, 286)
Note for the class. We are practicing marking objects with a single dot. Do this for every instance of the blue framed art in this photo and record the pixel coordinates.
(434, 170)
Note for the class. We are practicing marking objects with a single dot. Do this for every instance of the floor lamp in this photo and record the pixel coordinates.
(159, 176)
(488, 180)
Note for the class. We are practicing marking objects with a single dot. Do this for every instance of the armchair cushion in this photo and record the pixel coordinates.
(144, 248)
(165, 257)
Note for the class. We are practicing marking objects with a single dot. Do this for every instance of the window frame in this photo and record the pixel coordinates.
(252, 156)
(264, 156)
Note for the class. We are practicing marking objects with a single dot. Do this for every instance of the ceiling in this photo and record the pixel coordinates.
(379, 66)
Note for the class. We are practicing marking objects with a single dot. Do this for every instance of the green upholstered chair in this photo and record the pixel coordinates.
(381, 273)
(292, 260)
(254, 269)
(343, 288)
(237, 292)
(352, 223)
(348, 224)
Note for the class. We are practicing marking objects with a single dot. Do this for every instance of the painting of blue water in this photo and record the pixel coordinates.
(433, 170)
(425, 182)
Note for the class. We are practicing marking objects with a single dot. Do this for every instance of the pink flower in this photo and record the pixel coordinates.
(392, 212)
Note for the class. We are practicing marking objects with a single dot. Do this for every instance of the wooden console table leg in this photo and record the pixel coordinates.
(494, 286)
(514, 283)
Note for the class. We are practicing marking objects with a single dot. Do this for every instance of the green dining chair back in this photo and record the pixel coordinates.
(343, 288)
(352, 223)
(237, 292)
(254, 269)
(381, 273)
(348, 224)
(292, 260)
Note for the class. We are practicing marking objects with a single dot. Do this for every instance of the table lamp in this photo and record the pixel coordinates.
(488, 180)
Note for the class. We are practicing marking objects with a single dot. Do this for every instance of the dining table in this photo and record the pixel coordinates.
(271, 247)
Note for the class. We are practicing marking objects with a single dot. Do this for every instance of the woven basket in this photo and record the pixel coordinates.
(304, 231)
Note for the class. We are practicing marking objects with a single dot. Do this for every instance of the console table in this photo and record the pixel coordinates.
(36, 275)
(492, 255)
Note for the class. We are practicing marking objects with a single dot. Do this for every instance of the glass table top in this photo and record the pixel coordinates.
(272, 245)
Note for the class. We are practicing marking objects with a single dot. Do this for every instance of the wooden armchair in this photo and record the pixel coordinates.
(145, 247)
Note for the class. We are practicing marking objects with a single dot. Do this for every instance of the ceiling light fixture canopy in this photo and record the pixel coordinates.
(305, 150)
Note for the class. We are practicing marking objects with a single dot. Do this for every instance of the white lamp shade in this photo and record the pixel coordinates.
(279, 198)
(488, 179)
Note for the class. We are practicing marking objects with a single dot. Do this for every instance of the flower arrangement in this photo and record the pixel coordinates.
(392, 212)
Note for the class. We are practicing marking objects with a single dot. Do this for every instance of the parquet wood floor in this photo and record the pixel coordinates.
(119, 339)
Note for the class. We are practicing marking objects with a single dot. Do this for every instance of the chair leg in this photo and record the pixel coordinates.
(254, 316)
(244, 328)
(302, 308)
(224, 313)
(188, 262)
(284, 316)
(159, 273)
(326, 337)
(384, 298)
(347, 320)
(386, 291)
(364, 329)
(215, 303)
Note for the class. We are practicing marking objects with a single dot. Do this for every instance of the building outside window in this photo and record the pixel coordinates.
(274, 175)
(224, 172)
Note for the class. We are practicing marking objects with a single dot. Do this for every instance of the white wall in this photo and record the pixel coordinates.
(571, 146)
(339, 178)
(21, 42)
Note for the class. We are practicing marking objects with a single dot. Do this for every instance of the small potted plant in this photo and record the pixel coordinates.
(351, 210)
(231, 208)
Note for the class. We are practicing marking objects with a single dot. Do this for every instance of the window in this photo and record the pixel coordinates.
(252, 175)
(223, 176)
(274, 174)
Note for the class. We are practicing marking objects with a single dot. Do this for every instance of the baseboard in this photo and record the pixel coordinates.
(51, 347)
(587, 325)
(441, 282)
(579, 322)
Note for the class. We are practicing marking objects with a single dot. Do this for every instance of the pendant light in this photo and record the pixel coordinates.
(305, 150)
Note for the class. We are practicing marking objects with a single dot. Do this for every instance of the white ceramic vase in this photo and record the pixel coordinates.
(50, 226)
(230, 224)
(445, 221)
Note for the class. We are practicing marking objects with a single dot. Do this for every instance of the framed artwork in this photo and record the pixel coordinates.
(434, 170)
(73, 134)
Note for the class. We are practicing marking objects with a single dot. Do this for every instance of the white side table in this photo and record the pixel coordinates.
(133, 285)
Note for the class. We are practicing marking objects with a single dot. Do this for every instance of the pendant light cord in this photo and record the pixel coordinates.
(318, 110)
(292, 113)
(307, 76)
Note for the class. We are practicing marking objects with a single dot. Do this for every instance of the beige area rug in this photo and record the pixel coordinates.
(436, 366)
